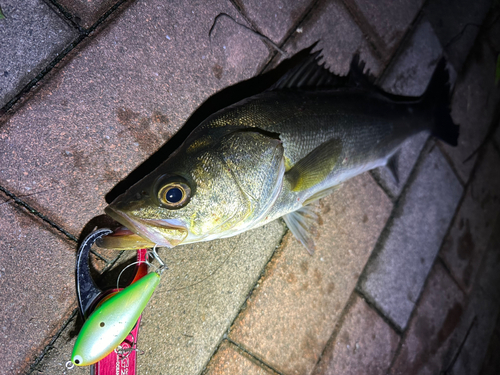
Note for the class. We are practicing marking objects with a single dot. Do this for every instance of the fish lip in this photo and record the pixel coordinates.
(139, 226)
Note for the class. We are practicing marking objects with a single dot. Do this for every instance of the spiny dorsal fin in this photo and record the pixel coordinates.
(315, 166)
(356, 77)
(302, 223)
(309, 74)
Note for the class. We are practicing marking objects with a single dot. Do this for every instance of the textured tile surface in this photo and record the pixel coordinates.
(116, 102)
(455, 25)
(480, 317)
(291, 315)
(430, 344)
(466, 242)
(199, 298)
(330, 24)
(410, 74)
(385, 21)
(86, 13)
(230, 360)
(365, 344)
(395, 275)
(32, 36)
(36, 285)
(275, 18)
(474, 102)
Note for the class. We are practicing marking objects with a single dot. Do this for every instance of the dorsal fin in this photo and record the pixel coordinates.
(309, 73)
(356, 77)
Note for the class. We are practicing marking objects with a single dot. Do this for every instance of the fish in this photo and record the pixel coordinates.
(276, 153)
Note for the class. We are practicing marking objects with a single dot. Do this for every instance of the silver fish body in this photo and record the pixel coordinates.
(272, 155)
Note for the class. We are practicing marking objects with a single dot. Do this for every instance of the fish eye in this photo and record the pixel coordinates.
(174, 194)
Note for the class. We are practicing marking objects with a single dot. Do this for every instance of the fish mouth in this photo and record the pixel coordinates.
(142, 233)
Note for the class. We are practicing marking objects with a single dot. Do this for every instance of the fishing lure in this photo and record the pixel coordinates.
(112, 326)
(111, 323)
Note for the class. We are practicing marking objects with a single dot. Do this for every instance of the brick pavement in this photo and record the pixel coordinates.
(405, 277)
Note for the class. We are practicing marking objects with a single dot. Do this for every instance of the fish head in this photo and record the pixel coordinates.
(203, 192)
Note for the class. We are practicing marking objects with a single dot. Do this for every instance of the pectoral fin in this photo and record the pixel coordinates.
(302, 224)
(316, 166)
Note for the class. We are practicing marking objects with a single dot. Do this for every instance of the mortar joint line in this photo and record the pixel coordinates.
(50, 345)
(253, 356)
(33, 211)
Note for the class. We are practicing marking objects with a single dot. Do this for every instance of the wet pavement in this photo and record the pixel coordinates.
(405, 276)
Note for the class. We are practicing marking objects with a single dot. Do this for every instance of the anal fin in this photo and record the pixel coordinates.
(303, 223)
(392, 166)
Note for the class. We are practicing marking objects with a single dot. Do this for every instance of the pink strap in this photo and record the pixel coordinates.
(125, 363)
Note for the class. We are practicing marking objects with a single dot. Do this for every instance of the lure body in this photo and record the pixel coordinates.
(111, 323)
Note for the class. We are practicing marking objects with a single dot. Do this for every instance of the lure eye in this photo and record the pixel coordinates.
(174, 194)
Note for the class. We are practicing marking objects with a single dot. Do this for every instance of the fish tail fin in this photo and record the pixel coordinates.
(437, 97)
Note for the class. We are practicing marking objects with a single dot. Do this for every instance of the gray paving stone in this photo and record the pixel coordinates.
(456, 25)
(339, 37)
(431, 340)
(274, 19)
(37, 290)
(410, 74)
(86, 13)
(473, 225)
(474, 102)
(116, 101)
(386, 21)
(394, 277)
(365, 344)
(32, 35)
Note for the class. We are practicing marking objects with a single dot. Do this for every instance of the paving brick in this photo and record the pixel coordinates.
(473, 105)
(456, 25)
(32, 36)
(274, 19)
(410, 74)
(199, 297)
(365, 344)
(229, 360)
(491, 363)
(395, 275)
(430, 342)
(116, 100)
(86, 13)
(386, 21)
(481, 316)
(292, 314)
(339, 37)
(59, 353)
(467, 240)
(36, 284)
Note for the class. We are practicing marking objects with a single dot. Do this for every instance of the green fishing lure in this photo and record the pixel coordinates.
(111, 323)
